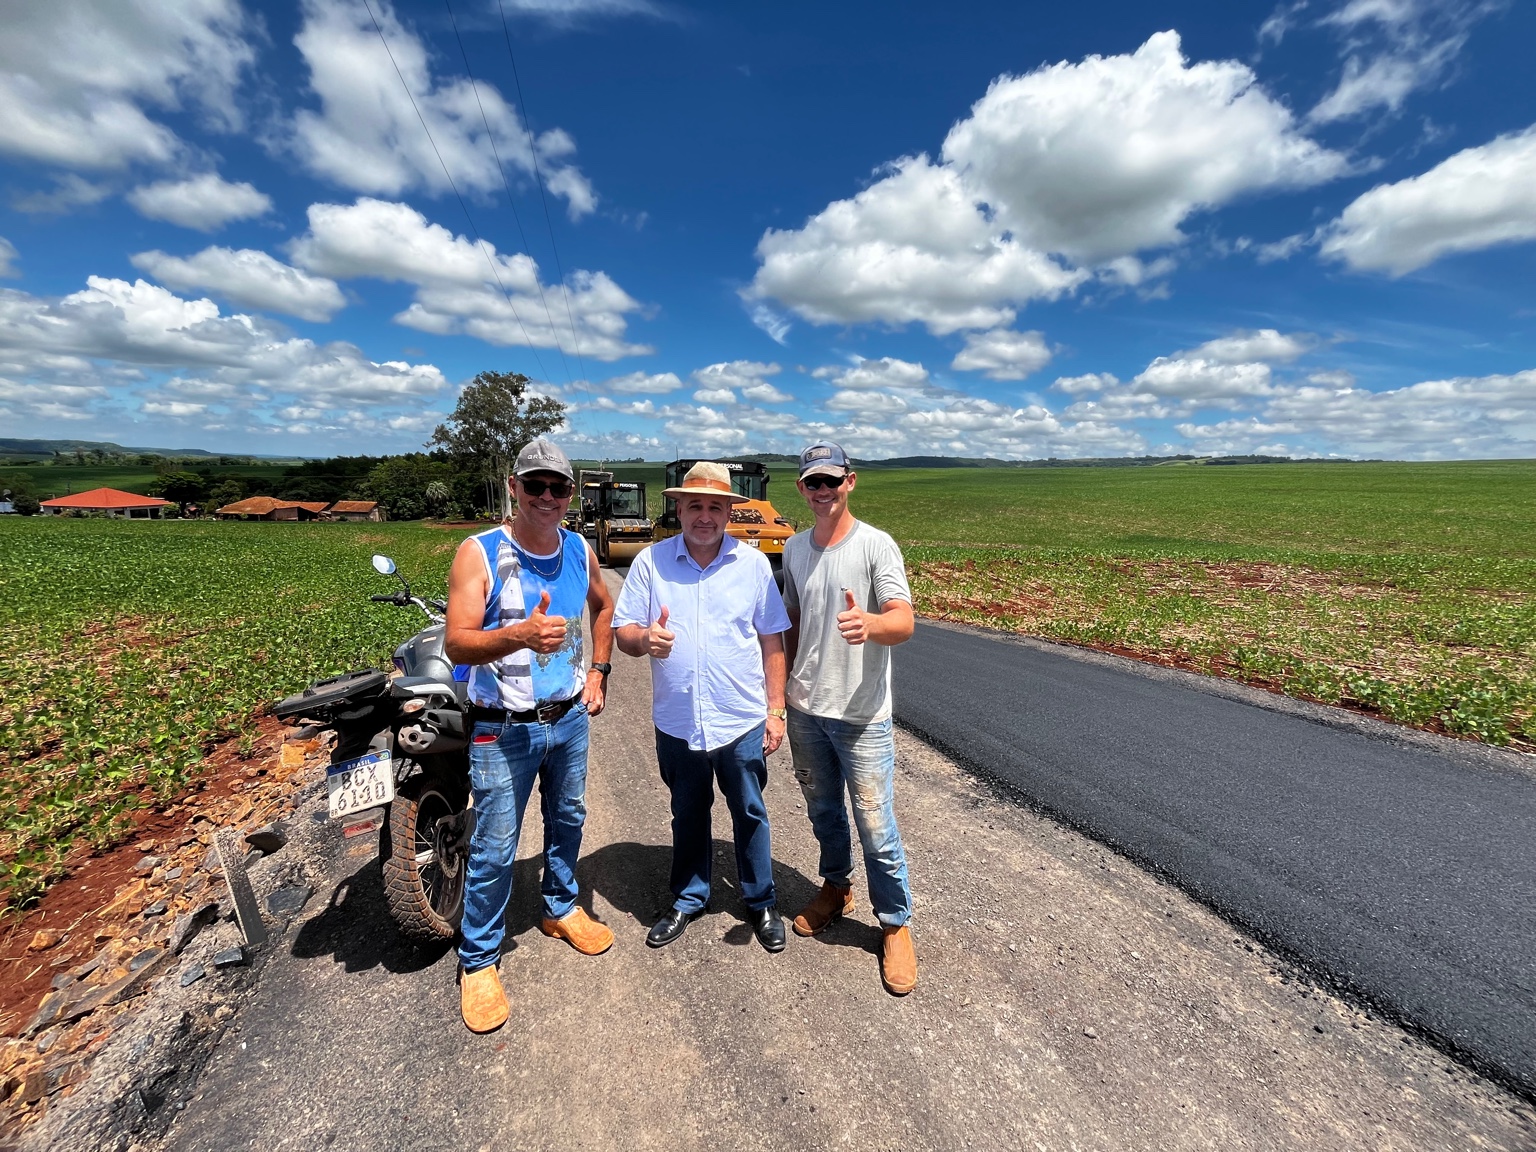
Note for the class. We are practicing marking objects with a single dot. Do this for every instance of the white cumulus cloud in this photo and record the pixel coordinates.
(465, 288)
(205, 203)
(1264, 344)
(1072, 164)
(249, 277)
(1003, 354)
(367, 135)
(642, 384)
(1477, 198)
(75, 357)
(80, 79)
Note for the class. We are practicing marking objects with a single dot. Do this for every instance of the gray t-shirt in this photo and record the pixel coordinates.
(832, 678)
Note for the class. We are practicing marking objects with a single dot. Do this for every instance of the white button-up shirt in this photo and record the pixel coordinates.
(711, 689)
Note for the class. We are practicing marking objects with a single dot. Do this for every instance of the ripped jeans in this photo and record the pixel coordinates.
(833, 758)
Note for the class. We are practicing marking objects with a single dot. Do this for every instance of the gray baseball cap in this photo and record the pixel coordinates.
(542, 456)
(824, 457)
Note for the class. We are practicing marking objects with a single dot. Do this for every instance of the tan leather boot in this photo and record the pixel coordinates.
(898, 962)
(585, 934)
(481, 1000)
(825, 907)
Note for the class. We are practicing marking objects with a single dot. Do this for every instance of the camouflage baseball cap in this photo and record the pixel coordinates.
(542, 456)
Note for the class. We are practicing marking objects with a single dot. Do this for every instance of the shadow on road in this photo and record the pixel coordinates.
(355, 929)
(349, 927)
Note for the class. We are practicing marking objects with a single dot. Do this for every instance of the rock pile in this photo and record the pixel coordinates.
(177, 888)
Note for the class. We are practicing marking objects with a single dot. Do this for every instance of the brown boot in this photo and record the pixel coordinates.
(898, 962)
(828, 904)
(481, 1000)
(585, 934)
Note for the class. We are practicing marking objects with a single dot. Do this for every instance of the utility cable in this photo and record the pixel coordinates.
(506, 184)
(538, 177)
(479, 243)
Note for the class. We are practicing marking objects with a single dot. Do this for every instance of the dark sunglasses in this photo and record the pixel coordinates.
(559, 489)
(822, 480)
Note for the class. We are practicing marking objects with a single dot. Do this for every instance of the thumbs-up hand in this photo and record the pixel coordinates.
(541, 633)
(852, 623)
(658, 640)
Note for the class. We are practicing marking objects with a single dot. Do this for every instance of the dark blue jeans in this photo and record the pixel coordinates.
(742, 770)
(504, 762)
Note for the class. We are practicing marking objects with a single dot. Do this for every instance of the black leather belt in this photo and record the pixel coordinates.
(543, 714)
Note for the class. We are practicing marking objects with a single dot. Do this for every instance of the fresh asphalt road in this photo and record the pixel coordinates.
(1399, 867)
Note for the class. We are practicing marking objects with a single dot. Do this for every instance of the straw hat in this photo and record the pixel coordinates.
(706, 478)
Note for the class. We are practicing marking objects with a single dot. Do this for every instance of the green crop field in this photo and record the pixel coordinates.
(133, 646)
(49, 480)
(1405, 590)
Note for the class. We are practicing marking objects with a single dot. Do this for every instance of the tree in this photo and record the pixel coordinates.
(492, 421)
(438, 493)
(27, 505)
(181, 488)
(226, 492)
(401, 484)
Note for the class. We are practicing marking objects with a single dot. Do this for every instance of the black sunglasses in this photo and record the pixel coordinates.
(559, 489)
(822, 480)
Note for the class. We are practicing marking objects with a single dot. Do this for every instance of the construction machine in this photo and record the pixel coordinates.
(621, 526)
(756, 523)
(582, 514)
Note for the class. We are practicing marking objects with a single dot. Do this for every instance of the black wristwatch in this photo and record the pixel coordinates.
(603, 668)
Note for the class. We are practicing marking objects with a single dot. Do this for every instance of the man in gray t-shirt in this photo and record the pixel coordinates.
(846, 591)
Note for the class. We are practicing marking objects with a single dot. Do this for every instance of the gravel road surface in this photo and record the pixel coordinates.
(1398, 865)
(1067, 1000)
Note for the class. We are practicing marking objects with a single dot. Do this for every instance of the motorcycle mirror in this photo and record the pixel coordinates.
(383, 565)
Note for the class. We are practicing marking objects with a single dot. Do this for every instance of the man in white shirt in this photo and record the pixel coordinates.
(846, 590)
(704, 607)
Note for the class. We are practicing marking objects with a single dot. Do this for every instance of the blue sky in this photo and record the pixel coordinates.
(1094, 229)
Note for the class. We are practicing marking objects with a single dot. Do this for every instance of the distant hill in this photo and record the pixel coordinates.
(11, 447)
(1081, 462)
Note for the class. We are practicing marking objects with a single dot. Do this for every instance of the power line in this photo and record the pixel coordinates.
(538, 177)
(479, 243)
(506, 184)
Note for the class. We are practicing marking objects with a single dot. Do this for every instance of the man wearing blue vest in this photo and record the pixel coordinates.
(515, 596)
(704, 607)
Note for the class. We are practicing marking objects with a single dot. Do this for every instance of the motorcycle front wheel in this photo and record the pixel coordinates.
(423, 871)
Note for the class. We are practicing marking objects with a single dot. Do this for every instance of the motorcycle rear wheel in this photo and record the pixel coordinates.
(423, 887)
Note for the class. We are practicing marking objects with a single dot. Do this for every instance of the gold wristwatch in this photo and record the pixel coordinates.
(778, 713)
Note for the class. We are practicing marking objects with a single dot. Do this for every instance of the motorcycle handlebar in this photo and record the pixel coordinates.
(386, 599)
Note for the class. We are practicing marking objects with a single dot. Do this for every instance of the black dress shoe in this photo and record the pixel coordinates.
(769, 927)
(670, 926)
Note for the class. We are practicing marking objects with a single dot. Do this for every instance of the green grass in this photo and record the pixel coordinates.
(1404, 590)
(132, 647)
(1485, 509)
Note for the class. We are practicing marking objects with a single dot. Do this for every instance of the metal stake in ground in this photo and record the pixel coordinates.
(232, 856)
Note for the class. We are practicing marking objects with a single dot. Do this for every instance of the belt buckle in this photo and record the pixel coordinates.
(548, 713)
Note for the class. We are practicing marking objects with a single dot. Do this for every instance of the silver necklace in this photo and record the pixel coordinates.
(531, 562)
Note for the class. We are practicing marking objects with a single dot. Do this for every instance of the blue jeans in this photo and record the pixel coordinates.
(742, 770)
(501, 775)
(834, 757)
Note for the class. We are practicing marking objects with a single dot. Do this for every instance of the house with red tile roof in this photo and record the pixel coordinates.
(271, 508)
(355, 510)
(111, 502)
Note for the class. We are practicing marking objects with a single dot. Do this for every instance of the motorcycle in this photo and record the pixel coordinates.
(402, 745)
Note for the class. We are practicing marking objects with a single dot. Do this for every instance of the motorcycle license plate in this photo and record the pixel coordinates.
(366, 782)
